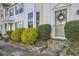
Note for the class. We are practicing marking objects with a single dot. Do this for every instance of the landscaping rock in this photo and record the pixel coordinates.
(37, 49)
(10, 49)
(57, 45)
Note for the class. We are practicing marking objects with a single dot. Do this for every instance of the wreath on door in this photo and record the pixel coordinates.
(61, 17)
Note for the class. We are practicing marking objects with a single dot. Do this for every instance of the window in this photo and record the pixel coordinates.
(60, 15)
(30, 19)
(11, 12)
(6, 12)
(19, 8)
(37, 18)
(78, 12)
(16, 10)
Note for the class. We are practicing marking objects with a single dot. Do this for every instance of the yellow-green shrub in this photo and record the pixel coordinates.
(29, 36)
(16, 35)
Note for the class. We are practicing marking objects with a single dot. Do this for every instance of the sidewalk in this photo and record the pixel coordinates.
(10, 49)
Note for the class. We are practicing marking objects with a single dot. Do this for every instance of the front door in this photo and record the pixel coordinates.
(60, 20)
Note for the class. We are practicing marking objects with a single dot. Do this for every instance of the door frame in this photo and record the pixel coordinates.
(57, 9)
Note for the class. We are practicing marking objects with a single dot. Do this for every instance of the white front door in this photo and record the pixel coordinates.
(60, 20)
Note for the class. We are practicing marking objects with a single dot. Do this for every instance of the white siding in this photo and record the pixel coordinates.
(49, 16)
(74, 8)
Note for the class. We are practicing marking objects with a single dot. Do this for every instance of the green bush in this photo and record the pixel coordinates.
(72, 51)
(29, 36)
(72, 30)
(44, 31)
(0, 35)
(16, 35)
(9, 33)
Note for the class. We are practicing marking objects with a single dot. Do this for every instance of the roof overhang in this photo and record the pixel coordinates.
(8, 21)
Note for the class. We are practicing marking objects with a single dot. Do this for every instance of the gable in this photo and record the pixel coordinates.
(61, 5)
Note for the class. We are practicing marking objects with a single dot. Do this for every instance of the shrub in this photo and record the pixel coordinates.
(16, 35)
(29, 36)
(0, 35)
(44, 31)
(72, 51)
(9, 33)
(72, 30)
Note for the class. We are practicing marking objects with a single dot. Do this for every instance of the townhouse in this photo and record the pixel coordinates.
(26, 15)
(20, 15)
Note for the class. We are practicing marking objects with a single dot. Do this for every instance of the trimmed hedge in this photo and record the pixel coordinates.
(16, 35)
(72, 51)
(9, 33)
(44, 31)
(72, 30)
(0, 35)
(29, 36)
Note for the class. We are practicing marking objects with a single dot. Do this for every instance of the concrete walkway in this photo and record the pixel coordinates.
(10, 49)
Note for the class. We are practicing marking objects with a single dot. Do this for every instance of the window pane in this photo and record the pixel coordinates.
(11, 12)
(30, 16)
(37, 19)
(37, 15)
(30, 24)
(30, 19)
(21, 8)
(16, 10)
(65, 13)
(21, 5)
